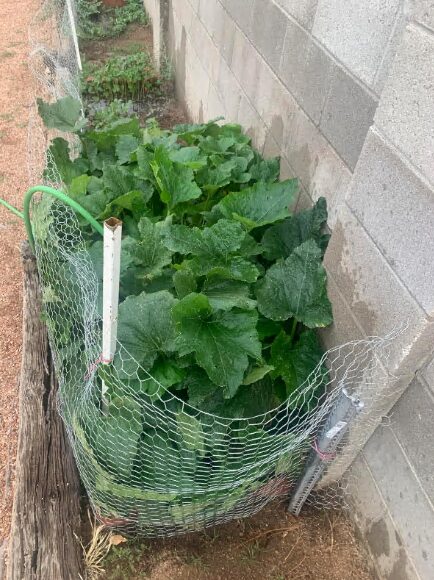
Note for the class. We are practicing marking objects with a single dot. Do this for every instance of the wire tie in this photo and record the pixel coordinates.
(93, 366)
(323, 455)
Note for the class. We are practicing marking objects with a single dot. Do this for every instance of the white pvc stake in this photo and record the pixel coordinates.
(74, 33)
(110, 293)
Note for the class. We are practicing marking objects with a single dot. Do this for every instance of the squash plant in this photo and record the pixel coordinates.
(222, 287)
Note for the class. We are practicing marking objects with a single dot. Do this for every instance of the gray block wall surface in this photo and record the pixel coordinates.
(343, 92)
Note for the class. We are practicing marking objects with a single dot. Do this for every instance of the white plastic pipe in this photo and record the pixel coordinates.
(74, 33)
(111, 274)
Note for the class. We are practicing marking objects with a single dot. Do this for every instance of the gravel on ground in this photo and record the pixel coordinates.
(16, 96)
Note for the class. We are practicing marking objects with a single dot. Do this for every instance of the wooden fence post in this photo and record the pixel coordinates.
(43, 543)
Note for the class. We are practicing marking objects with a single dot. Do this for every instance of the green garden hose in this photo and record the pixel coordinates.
(11, 208)
(57, 194)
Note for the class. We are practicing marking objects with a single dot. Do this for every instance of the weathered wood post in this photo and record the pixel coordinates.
(45, 528)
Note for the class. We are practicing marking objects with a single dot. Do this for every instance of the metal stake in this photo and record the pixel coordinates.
(345, 409)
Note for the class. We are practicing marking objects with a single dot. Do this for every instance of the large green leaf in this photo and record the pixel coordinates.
(296, 287)
(134, 201)
(191, 133)
(149, 252)
(221, 341)
(191, 432)
(118, 180)
(175, 181)
(116, 435)
(146, 327)
(219, 240)
(184, 282)
(79, 185)
(225, 172)
(125, 147)
(225, 294)
(265, 169)
(259, 205)
(213, 249)
(105, 140)
(161, 464)
(202, 392)
(294, 362)
(189, 156)
(280, 240)
(64, 115)
(94, 203)
(234, 268)
(164, 374)
(257, 374)
(253, 399)
(60, 162)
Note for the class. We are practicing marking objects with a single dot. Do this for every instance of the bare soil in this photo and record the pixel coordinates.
(16, 96)
(273, 545)
(136, 37)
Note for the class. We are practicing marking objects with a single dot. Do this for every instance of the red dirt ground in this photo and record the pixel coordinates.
(15, 100)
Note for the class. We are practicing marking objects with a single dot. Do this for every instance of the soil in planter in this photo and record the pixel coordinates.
(162, 104)
(273, 545)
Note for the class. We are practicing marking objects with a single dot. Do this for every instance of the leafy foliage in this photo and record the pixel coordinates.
(221, 290)
(96, 21)
(64, 114)
(125, 76)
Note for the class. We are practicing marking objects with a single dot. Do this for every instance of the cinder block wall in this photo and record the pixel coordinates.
(343, 91)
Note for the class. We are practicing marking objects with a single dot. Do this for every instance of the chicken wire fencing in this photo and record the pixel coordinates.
(152, 464)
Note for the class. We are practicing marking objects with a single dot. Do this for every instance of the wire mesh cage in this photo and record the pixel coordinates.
(153, 464)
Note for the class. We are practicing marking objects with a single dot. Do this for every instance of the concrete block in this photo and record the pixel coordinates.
(357, 33)
(184, 13)
(228, 37)
(331, 179)
(196, 85)
(251, 122)
(195, 5)
(320, 169)
(200, 39)
(402, 17)
(271, 147)
(376, 526)
(178, 52)
(368, 504)
(304, 200)
(375, 295)
(268, 86)
(305, 69)
(229, 91)
(397, 209)
(268, 31)
(215, 107)
(241, 11)
(250, 70)
(213, 17)
(206, 50)
(414, 428)
(344, 327)
(286, 171)
(409, 508)
(406, 110)
(428, 375)
(236, 63)
(347, 116)
(302, 10)
(423, 12)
